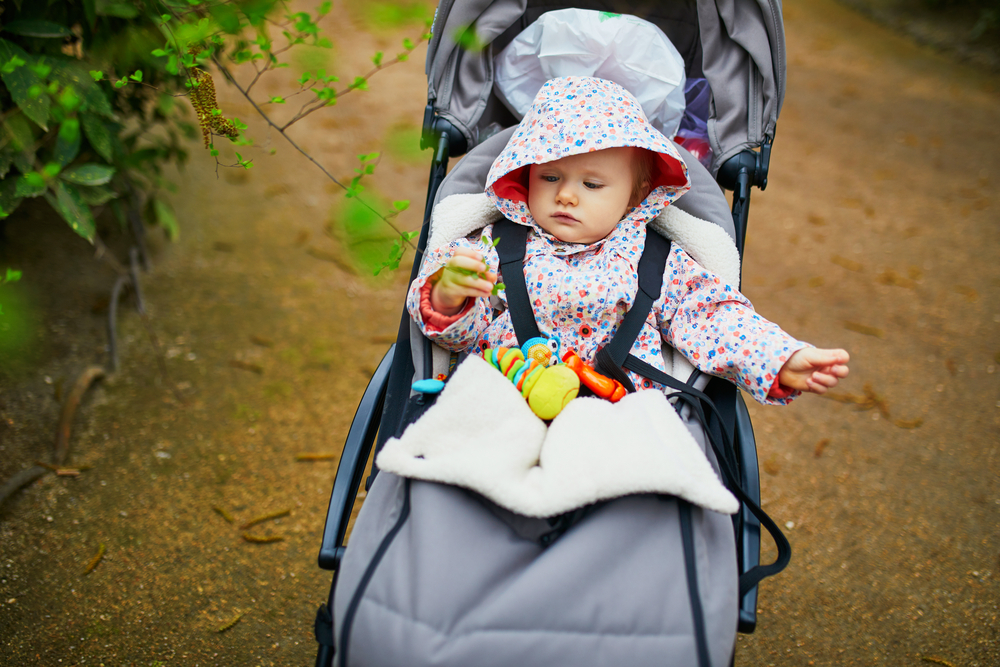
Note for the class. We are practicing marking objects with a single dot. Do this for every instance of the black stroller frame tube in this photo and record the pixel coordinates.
(381, 417)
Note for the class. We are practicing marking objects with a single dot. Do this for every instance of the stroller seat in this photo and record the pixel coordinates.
(453, 123)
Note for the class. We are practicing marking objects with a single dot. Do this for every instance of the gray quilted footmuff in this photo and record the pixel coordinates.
(436, 575)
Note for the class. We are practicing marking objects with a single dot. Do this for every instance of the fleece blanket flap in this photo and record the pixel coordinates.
(481, 435)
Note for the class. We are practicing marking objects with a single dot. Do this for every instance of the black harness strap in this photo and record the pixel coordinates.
(611, 357)
(512, 240)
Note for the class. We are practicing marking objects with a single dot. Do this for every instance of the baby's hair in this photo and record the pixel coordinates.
(642, 172)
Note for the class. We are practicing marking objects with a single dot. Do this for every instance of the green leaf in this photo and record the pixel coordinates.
(67, 142)
(74, 210)
(9, 199)
(467, 39)
(7, 154)
(97, 195)
(51, 170)
(71, 74)
(12, 275)
(98, 136)
(69, 100)
(12, 65)
(21, 82)
(122, 10)
(401, 205)
(97, 74)
(137, 76)
(17, 131)
(29, 185)
(226, 17)
(165, 218)
(37, 28)
(89, 174)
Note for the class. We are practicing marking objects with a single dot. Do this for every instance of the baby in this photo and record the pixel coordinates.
(586, 172)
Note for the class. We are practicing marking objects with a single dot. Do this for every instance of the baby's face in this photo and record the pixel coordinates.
(581, 198)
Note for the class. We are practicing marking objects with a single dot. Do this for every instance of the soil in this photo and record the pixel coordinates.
(877, 232)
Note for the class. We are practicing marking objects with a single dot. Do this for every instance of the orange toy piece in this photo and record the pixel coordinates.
(601, 385)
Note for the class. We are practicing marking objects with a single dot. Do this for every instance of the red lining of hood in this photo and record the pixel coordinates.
(514, 185)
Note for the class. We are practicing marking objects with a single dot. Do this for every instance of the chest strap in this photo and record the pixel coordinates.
(511, 249)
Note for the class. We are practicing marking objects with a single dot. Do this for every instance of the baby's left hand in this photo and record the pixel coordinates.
(815, 370)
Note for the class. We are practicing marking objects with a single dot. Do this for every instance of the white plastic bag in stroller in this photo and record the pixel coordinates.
(577, 42)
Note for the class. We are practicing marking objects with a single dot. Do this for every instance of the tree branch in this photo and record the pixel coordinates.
(281, 131)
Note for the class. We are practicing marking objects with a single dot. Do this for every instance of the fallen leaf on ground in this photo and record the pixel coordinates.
(820, 447)
(315, 457)
(247, 366)
(848, 264)
(864, 329)
(260, 340)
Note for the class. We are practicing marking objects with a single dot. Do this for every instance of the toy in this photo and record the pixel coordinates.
(556, 386)
(547, 388)
(602, 386)
(543, 350)
(547, 384)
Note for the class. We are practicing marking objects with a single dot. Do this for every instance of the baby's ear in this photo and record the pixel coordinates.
(639, 192)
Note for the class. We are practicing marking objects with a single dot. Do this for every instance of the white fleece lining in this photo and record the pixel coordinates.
(481, 435)
(458, 216)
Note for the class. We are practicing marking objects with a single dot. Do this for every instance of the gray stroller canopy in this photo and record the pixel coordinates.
(737, 45)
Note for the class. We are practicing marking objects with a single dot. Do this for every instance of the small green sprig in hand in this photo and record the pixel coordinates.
(481, 274)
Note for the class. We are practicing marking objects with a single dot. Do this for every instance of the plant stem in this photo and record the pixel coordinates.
(281, 131)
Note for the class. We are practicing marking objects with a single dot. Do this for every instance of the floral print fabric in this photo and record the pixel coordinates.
(581, 293)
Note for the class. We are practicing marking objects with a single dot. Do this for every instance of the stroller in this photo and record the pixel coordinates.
(738, 47)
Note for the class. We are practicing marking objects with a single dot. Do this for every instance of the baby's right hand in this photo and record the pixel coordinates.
(465, 276)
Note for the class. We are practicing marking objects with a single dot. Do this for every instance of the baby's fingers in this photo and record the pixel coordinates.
(819, 382)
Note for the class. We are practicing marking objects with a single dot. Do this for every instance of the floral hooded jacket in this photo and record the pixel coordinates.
(581, 293)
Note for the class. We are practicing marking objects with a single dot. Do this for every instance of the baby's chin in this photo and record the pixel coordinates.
(571, 232)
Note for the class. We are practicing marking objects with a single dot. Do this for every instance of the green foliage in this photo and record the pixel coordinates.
(80, 96)
(91, 88)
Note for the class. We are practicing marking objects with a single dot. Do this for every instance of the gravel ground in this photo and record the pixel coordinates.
(878, 233)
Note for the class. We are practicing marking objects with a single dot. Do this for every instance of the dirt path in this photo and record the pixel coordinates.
(878, 232)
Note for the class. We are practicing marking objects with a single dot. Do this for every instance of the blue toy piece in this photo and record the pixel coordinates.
(428, 386)
(543, 350)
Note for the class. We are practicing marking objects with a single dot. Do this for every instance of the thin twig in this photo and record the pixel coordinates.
(309, 157)
(319, 104)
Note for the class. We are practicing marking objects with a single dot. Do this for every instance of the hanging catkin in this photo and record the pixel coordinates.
(210, 117)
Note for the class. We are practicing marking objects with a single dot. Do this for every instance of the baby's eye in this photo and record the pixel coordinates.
(550, 179)
(592, 186)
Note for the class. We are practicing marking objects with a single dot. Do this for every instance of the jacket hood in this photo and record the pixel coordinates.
(578, 114)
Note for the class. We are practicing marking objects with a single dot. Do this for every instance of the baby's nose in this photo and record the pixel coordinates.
(566, 195)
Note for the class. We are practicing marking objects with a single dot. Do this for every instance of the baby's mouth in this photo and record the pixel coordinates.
(564, 217)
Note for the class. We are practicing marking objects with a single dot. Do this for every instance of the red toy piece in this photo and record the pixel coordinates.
(602, 386)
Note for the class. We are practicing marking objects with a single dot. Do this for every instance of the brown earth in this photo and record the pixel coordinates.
(878, 232)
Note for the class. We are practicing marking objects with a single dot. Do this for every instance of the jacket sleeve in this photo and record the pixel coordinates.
(712, 324)
(461, 333)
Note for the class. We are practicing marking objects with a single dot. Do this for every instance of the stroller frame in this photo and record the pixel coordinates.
(380, 413)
